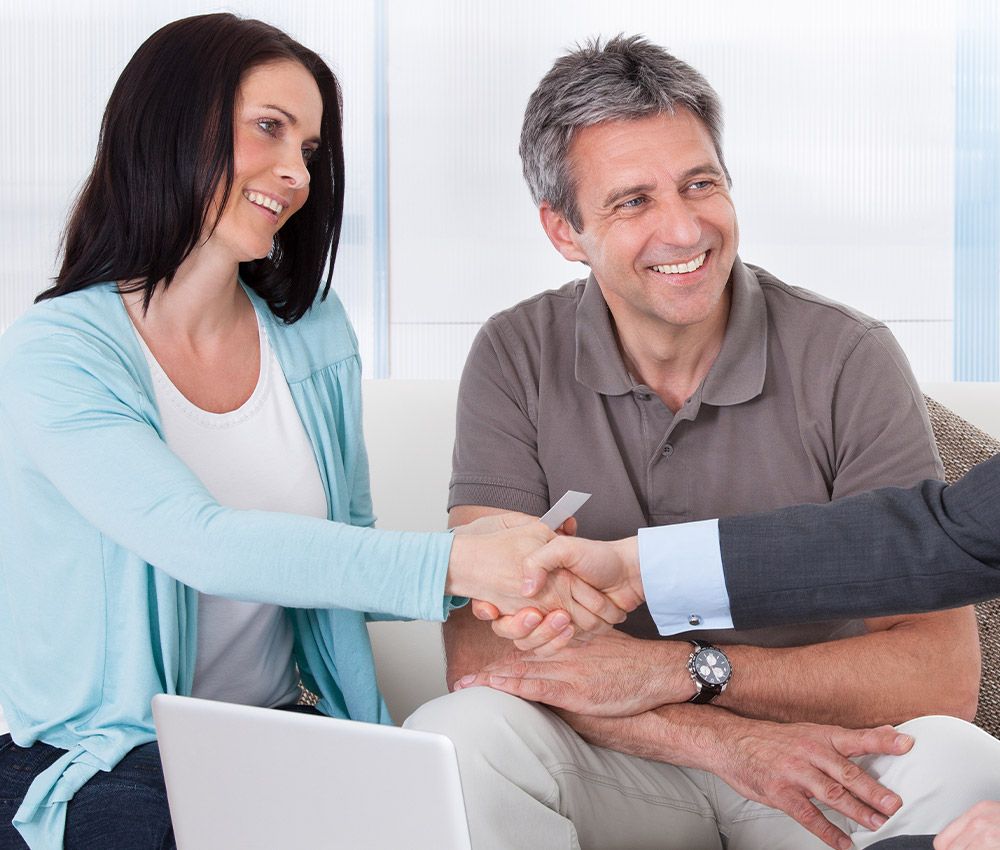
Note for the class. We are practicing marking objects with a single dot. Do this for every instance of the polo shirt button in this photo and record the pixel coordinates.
(643, 396)
(668, 450)
(694, 619)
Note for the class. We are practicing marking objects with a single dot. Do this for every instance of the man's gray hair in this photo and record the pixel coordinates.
(625, 79)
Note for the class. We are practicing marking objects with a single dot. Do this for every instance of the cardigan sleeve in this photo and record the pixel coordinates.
(76, 416)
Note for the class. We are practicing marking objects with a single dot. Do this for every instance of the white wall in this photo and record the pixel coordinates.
(840, 137)
(843, 179)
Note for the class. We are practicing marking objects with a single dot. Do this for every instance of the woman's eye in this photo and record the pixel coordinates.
(308, 155)
(269, 125)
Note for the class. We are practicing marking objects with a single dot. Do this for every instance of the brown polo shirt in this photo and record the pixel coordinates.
(807, 401)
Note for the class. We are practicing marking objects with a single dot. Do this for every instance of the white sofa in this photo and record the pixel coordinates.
(410, 426)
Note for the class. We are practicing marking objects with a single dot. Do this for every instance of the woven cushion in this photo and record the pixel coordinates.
(962, 445)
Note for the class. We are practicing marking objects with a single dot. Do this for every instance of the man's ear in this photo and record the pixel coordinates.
(561, 234)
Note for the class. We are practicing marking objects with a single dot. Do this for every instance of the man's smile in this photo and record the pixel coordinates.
(682, 268)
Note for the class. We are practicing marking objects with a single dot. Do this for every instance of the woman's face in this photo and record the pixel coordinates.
(276, 131)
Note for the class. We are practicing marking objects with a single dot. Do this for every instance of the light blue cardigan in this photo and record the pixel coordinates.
(106, 536)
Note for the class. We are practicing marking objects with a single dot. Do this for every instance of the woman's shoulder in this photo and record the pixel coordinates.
(75, 349)
(323, 337)
(90, 318)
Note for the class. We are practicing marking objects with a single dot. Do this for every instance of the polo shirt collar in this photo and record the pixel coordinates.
(737, 374)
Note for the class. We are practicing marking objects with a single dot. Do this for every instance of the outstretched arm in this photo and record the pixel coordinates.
(884, 552)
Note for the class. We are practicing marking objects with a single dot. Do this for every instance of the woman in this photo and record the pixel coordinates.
(179, 422)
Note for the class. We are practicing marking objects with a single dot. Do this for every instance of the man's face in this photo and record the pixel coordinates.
(659, 226)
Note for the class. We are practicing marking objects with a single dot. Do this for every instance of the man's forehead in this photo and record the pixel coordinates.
(643, 150)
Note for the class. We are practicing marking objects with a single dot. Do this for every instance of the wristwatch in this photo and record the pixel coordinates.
(710, 670)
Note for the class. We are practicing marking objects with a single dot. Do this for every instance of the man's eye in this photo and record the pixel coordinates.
(699, 185)
(632, 203)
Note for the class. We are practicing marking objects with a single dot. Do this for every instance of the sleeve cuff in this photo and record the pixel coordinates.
(682, 577)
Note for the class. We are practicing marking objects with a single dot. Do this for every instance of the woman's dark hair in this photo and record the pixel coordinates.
(166, 145)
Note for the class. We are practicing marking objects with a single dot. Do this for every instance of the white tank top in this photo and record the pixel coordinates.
(255, 457)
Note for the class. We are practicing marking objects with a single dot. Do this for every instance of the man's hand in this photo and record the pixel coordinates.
(487, 562)
(610, 675)
(782, 765)
(788, 765)
(977, 829)
(612, 568)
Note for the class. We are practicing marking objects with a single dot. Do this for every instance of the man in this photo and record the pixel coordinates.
(677, 384)
(877, 553)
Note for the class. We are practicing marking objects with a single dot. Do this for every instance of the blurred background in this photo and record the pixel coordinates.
(863, 139)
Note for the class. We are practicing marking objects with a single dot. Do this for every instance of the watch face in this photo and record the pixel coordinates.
(712, 666)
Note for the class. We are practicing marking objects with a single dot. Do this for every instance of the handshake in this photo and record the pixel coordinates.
(541, 589)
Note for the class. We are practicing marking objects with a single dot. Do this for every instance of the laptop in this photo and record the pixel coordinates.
(246, 777)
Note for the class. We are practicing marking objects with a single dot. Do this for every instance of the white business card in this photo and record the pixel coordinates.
(562, 510)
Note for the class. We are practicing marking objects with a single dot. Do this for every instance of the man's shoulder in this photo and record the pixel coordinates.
(548, 311)
(804, 308)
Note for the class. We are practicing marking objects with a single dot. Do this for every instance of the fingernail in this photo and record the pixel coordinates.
(497, 680)
(560, 621)
(878, 820)
(533, 619)
(467, 680)
(845, 843)
(903, 740)
(569, 631)
(528, 587)
(890, 801)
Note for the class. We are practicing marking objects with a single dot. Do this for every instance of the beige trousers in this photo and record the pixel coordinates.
(531, 782)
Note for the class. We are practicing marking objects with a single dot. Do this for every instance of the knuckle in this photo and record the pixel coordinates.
(851, 773)
(537, 688)
(833, 792)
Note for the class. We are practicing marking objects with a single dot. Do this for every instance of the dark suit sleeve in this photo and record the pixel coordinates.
(890, 551)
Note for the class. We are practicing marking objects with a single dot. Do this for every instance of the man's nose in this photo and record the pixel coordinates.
(679, 223)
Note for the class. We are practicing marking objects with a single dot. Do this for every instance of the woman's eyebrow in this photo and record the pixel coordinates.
(291, 118)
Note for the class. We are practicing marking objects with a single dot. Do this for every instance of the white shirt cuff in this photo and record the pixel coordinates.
(682, 577)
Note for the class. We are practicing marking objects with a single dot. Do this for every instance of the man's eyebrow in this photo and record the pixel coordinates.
(620, 192)
(709, 168)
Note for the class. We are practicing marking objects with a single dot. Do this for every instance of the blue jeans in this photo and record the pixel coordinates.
(124, 809)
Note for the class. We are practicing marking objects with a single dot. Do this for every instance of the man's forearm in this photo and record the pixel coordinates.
(892, 674)
(886, 676)
(685, 735)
